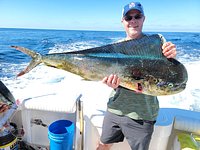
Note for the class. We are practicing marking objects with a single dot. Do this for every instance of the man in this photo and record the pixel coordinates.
(125, 113)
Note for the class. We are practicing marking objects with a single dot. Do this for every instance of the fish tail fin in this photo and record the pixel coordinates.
(36, 59)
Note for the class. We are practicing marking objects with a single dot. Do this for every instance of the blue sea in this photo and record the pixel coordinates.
(50, 41)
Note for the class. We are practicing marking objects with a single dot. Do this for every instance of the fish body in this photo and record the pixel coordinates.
(139, 64)
(5, 95)
(6, 98)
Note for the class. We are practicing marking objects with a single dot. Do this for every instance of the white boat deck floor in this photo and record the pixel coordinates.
(62, 98)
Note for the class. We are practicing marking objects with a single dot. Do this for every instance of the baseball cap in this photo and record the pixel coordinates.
(132, 6)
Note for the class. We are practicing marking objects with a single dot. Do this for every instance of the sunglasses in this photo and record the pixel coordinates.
(129, 18)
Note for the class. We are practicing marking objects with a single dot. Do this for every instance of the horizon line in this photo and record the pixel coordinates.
(155, 30)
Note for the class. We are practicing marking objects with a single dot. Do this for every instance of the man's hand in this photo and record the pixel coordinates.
(3, 107)
(169, 50)
(112, 81)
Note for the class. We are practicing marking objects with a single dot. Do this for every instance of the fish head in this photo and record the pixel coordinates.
(157, 87)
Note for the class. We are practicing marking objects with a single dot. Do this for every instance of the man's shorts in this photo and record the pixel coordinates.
(137, 132)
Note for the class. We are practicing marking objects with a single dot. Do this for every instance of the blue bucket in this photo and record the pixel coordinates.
(61, 135)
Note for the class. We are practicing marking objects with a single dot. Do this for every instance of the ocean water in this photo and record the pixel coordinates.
(50, 41)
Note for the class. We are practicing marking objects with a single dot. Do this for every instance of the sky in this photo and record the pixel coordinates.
(98, 15)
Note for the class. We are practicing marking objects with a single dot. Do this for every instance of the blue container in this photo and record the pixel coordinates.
(61, 135)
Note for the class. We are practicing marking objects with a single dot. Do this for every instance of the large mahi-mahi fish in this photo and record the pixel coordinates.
(139, 64)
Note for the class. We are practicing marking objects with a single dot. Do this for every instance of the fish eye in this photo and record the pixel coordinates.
(170, 85)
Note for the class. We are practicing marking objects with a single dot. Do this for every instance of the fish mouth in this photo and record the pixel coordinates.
(180, 86)
(183, 85)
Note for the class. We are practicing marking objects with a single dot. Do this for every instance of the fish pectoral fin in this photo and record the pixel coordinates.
(139, 88)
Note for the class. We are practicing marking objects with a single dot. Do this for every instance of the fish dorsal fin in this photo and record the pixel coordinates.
(148, 46)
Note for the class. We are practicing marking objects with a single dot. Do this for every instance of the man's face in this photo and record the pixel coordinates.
(133, 23)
